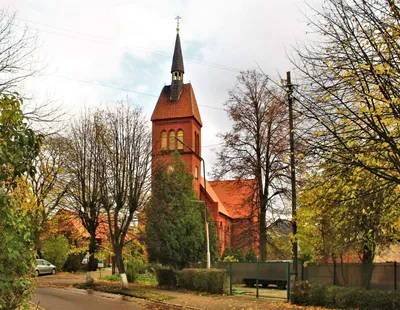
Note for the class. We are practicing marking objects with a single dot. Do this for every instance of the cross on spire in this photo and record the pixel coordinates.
(177, 22)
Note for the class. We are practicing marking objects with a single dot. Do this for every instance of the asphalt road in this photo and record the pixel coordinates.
(74, 299)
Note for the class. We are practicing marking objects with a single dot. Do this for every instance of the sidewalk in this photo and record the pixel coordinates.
(177, 299)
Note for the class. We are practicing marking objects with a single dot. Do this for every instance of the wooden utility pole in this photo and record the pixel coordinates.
(294, 274)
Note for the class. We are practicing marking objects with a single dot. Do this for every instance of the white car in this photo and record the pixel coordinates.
(44, 267)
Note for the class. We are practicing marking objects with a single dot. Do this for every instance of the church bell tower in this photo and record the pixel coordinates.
(176, 122)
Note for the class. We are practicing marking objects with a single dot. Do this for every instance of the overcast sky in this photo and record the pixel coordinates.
(128, 45)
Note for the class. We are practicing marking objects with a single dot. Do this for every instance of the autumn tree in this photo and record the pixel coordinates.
(18, 147)
(49, 184)
(85, 175)
(256, 146)
(126, 186)
(347, 211)
(348, 84)
(279, 244)
(175, 234)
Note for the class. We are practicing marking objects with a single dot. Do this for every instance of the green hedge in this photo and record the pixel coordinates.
(166, 277)
(324, 295)
(213, 281)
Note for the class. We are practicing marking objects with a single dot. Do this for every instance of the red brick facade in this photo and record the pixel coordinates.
(177, 117)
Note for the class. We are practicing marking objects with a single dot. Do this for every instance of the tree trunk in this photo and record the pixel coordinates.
(367, 267)
(120, 264)
(113, 264)
(263, 233)
(92, 265)
(38, 243)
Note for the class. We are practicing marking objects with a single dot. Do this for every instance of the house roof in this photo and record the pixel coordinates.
(215, 198)
(177, 60)
(236, 196)
(185, 106)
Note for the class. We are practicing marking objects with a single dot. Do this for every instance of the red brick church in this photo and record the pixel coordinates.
(176, 118)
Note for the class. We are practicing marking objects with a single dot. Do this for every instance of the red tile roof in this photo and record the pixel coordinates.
(185, 106)
(215, 198)
(236, 196)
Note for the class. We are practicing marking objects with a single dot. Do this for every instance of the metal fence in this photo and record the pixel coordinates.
(262, 279)
(384, 276)
(269, 279)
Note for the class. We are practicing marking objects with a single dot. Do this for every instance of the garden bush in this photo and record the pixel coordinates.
(166, 277)
(329, 296)
(227, 252)
(74, 262)
(153, 267)
(212, 281)
(251, 256)
(134, 267)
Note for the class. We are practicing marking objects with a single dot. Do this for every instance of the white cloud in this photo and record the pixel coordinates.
(128, 44)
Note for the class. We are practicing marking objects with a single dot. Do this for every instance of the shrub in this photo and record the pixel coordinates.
(166, 277)
(212, 281)
(17, 259)
(55, 250)
(92, 264)
(134, 267)
(316, 294)
(74, 262)
(227, 252)
(230, 259)
(153, 267)
(250, 256)
(238, 254)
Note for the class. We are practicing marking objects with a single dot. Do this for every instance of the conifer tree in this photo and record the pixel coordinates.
(175, 233)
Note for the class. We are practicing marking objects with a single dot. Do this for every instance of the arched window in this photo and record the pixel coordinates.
(163, 140)
(172, 140)
(180, 137)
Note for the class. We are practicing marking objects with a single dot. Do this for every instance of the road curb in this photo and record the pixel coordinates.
(36, 306)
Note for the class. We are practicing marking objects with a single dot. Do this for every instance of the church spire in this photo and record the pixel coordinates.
(177, 69)
(177, 60)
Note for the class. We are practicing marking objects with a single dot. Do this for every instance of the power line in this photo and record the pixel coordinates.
(210, 107)
(211, 145)
(115, 87)
(100, 84)
(107, 42)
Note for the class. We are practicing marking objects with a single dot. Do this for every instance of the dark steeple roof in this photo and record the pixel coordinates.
(177, 60)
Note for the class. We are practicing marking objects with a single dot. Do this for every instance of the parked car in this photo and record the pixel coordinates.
(44, 267)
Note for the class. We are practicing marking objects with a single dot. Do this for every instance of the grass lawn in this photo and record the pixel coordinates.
(143, 279)
(147, 279)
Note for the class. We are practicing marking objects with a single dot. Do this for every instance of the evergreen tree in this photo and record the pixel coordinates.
(175, 233)
(227, 252)
(238, 254)
(251, 256)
